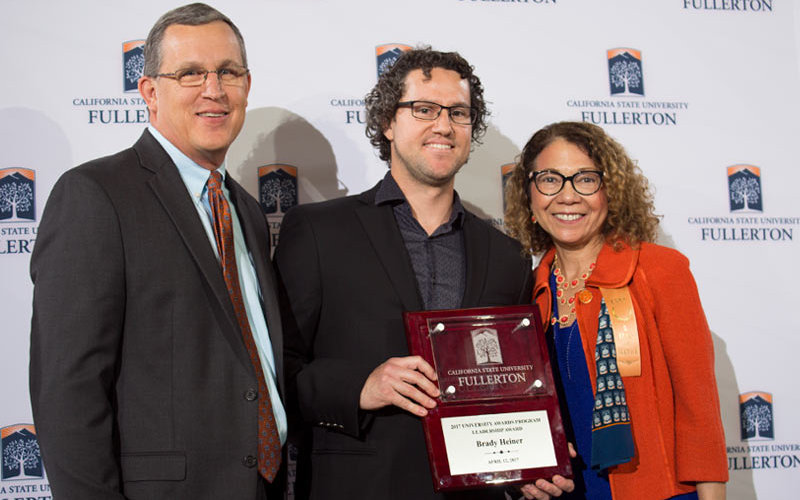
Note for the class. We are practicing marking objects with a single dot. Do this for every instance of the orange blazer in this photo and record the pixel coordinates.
(673, 404)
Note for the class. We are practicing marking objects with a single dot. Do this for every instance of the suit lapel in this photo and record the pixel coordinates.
(384, 235)
(170, 190)
(476, 247)
(256, 237)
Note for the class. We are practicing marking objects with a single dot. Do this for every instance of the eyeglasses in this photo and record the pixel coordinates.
(550, 182)
(425, 110)
(196, 77)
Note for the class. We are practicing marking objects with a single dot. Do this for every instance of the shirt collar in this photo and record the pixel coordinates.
(390, 193)
(193, 175)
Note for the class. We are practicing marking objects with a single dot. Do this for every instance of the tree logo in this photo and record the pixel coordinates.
(132, 64)
(17, 195)
(625, 72)
(755, 412)
(20, 451)
(277, 188)
(387, 55)
(744, 188)
(486, 345)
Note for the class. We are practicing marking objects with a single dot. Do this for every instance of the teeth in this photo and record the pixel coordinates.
(439, 146)
(212, 115)
(568, 216)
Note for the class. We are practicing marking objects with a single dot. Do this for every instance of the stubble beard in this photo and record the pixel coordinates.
(419, 171)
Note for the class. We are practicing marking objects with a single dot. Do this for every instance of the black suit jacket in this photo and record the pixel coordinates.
(347, 279)
(141, 385)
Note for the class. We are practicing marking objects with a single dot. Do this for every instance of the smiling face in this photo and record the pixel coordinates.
(200, 121)
(424, 152)
(573, 221)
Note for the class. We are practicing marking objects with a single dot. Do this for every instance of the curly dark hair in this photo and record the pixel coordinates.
(381, 102)
(631, 213)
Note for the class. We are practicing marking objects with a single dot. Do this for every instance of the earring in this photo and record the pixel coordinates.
(533, 219)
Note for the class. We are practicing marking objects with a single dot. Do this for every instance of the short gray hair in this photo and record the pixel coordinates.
(195, 14)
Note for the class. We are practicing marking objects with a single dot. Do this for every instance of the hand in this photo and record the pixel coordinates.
(711, 491)
(543, 489)
(403, 382)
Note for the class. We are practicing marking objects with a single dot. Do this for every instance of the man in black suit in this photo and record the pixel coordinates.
(156, 345)
(351, 266)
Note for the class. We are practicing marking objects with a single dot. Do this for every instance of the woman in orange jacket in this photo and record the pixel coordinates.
(631, 347)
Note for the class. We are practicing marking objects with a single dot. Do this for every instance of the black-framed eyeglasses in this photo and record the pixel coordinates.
(193, 77)
(551, 182)
(426, 110)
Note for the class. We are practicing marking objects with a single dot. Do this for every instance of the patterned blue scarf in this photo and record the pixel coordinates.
(612, 439)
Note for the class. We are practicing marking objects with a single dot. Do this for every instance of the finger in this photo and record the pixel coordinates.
(417, 363)
(408, 405)
(425, 368)
(421, 381)
(531, 491)
(405, 369)
(563, 483)
(548, 488)
(572, 452)
(411, 392)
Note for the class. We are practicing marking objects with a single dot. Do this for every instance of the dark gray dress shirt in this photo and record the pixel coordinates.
(438, 260)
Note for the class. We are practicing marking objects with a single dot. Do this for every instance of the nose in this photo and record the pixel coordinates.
(212, 85)
(442, 124)
(568, 193)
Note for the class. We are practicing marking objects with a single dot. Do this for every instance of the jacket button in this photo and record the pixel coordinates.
(251, 394)
(249, 461)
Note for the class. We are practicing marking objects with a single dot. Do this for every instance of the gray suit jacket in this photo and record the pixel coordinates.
(347, 279)
(140, 382)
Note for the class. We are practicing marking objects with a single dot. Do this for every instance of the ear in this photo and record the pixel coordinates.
(147, 90)
(247, 88)
(388, 131)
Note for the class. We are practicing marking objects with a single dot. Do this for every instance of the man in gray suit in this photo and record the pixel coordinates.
(156, 342)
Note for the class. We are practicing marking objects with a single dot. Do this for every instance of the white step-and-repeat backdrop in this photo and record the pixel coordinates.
(703, 93)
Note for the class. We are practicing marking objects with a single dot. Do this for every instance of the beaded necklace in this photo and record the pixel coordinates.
(566, 291)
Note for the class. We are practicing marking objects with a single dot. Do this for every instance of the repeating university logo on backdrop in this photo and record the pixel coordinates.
(386, 55)
(756, 417)
(21, 456)
(746, 220)
(505, 174)
(625, 72)
(17, 210)
(22, 470)
(744, 188)
(124, 108)
(625, 103)
(17, 195)
(132, 64)
(729, 5)
(277, 193)
(757, 448)
(353, 107)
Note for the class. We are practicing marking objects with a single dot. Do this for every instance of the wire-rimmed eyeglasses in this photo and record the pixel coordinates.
(194, 77)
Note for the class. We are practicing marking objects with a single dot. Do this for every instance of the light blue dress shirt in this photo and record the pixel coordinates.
(195, 177)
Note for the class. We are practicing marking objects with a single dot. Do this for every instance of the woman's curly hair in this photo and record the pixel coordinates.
(381, 102)
(631, 213)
